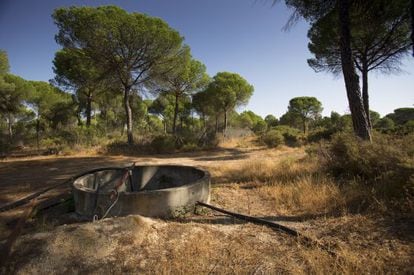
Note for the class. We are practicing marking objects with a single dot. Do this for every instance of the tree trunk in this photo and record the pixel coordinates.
(192, 120)
(175, 115)
(10, 127)
(217, 125)
(88, 110)
(305, 126)
(104, 113)
(225, 123)
(128, 113)
(79, 114)
(365, 96)
(37, 132)
(203, 119)
(359, 118)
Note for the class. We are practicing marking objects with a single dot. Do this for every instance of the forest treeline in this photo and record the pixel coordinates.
(38, 114)
(128, 77)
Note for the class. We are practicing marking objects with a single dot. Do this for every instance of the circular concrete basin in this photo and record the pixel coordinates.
(163, 191)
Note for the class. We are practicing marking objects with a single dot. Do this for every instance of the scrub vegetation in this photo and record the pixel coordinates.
(370, 230)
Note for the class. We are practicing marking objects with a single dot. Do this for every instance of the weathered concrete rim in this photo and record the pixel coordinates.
(164, 198)
(206, 176)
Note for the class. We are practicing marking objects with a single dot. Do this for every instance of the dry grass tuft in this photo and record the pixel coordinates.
(297, 185)
(269, 171)
(240, 142)
(308, 195)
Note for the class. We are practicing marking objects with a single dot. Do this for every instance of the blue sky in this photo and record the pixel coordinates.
(242, 36)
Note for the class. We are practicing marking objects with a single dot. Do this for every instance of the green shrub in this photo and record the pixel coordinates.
(273, 138)
(406, 129)
(51, 142)
(66, 137)
(190, 147)
(320, 134)
(186, 136)
(4, 144)
(164, 144)
(384, 124)
(208, 139)
(90, 136)
(292, 136)
(260, 127)
(123, 148)
(386, 164)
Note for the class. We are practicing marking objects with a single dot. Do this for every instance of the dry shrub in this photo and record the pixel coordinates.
(164, 144)
(122, 148)
(292, 185)
(385, 156)
(237, 142)
(386, 165)
(301, 185)
(351, 261)
(308, 194)
(268, 170)
(143, 145)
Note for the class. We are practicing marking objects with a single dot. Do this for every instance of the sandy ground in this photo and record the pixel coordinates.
(206, 243)
(20, 177)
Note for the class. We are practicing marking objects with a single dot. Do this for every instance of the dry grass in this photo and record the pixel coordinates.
(242, 142)
(139, 245)
(296, 184)
(269, 171)
(282, 185)
(297, 187)
(307, 195)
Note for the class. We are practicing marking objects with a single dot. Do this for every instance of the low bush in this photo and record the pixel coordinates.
(122, 148)
(190, 147)
(164, 144)
(405, 129)
(5, 145)
(209, 139)
(386, 164)
(260, 127)
(273, 139)
(293, 137)
(320, 134)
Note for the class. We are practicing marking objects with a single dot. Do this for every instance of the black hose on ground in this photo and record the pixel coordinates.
(302, 238)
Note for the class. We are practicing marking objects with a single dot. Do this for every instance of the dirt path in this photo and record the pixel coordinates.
(22, 177)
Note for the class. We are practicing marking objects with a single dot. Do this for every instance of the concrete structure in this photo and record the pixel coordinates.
(154, 191)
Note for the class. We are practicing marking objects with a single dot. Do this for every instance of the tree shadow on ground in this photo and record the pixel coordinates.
(20, 178)
(18, 259)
